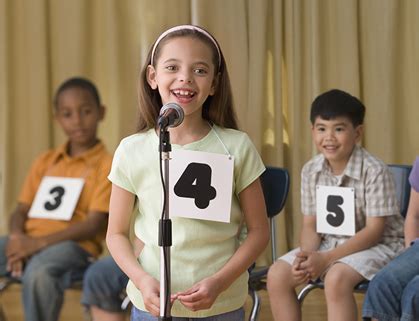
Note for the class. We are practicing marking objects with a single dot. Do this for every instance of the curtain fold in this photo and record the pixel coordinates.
(280, 53)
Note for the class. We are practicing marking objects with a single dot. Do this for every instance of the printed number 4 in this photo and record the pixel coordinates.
(333, 202)
(59, 193)
(195, 182)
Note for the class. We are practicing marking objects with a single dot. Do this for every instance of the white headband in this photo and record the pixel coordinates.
(188, 27)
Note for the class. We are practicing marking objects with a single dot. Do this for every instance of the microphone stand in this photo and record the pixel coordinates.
(165, 228)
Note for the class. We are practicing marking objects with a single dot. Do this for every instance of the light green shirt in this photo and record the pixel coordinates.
(199, 247)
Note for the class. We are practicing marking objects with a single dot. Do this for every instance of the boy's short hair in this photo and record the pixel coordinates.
(337, 103)
(78, 82)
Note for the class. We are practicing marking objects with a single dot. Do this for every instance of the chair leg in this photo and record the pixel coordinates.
(306, 290)
(255, 306)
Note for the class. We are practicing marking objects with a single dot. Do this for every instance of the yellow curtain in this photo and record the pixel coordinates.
(281, 54)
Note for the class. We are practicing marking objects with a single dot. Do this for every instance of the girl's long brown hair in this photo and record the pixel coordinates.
(217, 109)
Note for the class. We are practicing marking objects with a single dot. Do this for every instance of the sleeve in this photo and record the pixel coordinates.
(380, 193)
(250, 165)
(102, 192)
(119, 174)
(308, 195)
(33, 179)
(414, 176)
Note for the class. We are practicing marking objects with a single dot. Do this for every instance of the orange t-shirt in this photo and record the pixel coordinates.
(93, 166)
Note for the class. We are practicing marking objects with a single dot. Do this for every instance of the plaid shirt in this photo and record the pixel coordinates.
(374, 191)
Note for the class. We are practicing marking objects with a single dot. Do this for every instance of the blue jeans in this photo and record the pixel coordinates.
(237, 315)
(46, 276)
(393, 294)
(104, 285)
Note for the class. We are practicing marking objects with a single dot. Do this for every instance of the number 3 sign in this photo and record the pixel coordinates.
(335, 210)
(56, 198)
(200, 185)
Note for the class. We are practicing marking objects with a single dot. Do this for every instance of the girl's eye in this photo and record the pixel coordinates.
(340, 129)
(171, 68)
(200, 71)
(320, 129)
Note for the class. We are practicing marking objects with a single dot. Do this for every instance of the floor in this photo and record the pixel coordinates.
(314, 308)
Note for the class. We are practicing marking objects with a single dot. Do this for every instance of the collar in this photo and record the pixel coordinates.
(61, 152)
(353, 168)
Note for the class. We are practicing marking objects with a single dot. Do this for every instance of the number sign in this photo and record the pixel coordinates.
(335, 210)
(56, 198)
(200, 185)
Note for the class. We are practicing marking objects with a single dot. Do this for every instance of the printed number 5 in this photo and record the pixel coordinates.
(195, 182)
(333, 202)
(59, 193)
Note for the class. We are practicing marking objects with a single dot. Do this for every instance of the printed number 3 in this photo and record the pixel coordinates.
(333, 202)
(59, 193)
(195, 182)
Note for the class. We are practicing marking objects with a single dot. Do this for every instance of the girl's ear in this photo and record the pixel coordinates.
(151, 77)
(214, 84)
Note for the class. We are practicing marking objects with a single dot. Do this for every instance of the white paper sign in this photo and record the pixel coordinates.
(56, 198)
(335, 210)
(200, 185)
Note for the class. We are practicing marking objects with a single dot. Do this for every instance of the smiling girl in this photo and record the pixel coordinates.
(209, 267)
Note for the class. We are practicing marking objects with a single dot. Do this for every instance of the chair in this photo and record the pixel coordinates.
(401, 179)
(275, 184)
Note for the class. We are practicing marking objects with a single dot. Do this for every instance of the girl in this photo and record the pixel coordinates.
(209, 268)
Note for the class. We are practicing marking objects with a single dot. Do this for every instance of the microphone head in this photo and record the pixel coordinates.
(172, 111)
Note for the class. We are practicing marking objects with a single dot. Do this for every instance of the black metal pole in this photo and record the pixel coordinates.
(165, 231)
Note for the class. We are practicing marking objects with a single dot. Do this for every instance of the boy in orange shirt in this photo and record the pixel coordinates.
(60, 219)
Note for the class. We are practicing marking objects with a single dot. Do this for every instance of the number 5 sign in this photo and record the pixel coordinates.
(335, 210)
(200, 185)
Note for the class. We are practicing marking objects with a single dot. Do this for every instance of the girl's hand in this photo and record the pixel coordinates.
(150, 290)
(201, 295)
(315, 264)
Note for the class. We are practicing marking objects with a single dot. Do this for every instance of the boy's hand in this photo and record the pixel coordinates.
(300, 275)
(15, 268)
(201, 295)
(21, 246)
(315, 264)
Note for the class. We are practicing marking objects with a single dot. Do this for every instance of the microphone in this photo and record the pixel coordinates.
(171, 115)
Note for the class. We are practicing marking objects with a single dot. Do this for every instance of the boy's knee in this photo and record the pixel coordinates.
(100, 272)
(411, 291)
(385, 280)
(378, 284)
(278, 273)
(93, 279)
(40, 278)
(337, 282)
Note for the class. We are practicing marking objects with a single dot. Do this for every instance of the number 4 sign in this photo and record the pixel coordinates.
(200, 185)
(335, 210)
